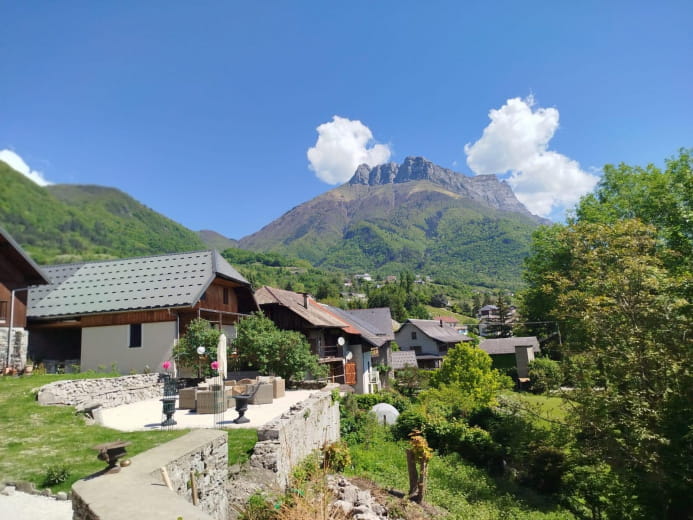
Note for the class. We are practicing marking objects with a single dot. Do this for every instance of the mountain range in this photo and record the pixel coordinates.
(416, 216)
(411, 216)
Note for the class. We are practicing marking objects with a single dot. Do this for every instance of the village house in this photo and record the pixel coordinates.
(512, 352)
(17, 273)
(128, 313)
(350, 343)
(490, 319)
(429, 339)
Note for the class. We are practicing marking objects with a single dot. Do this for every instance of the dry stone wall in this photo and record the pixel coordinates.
(139, 490)
(289, 439)
(108, 391)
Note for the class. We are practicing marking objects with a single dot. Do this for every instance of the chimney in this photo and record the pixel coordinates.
(441, 322)
(305, 300)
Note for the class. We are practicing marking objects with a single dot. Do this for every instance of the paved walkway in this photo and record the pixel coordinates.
(145, 415)
(22, 506)
(148, 415)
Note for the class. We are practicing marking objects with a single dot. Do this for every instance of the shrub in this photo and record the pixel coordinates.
(545, 468)
(336, 456)
(544, 374)
(412, 419)
(56, 474)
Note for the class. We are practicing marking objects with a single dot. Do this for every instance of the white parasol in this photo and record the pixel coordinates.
(221, 356)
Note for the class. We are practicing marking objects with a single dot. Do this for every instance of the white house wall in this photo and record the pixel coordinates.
(105, 346)
(403, 339)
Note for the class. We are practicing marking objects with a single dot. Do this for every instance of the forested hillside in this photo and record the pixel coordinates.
(417, 226)
(65, 223)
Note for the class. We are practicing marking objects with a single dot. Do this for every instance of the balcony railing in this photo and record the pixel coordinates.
(330, 352)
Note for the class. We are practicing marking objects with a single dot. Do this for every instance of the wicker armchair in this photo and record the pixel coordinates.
(186, 398)
(261, 393)
(210, 401)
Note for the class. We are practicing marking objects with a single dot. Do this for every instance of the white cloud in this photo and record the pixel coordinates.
(341, 147)
(17, 163)
(516, 141)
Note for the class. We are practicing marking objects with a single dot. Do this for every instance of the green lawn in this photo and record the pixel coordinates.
(36, 439)
(544, 409)
(459, 487)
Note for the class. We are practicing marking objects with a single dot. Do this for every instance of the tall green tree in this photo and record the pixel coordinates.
(626, 326)
(284, 353)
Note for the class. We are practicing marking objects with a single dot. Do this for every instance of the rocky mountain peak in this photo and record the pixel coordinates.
(482, 188)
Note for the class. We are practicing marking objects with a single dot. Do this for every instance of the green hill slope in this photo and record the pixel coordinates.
(417, 225)
(62, 223)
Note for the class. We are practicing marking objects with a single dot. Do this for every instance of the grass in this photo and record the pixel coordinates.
(461, 318)
(544, 409)
(41, 441)
(455, 485)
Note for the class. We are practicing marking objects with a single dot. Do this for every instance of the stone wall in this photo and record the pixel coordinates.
(107, 391)
(18, 347)
(139, 491)
(289, 439)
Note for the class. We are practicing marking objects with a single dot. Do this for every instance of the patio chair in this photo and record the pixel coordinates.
(261, 393)
(186, 398)
(246, 381)
(209, 401)
(278, 384)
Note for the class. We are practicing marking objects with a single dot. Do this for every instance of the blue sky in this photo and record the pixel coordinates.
(205, 111)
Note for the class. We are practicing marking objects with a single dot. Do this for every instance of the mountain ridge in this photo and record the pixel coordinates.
(415, 216)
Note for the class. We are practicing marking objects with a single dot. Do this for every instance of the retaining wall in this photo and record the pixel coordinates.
(286, 441)
(107, 391)
(139, 491)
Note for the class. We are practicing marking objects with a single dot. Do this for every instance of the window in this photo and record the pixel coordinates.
(417, 350)
(413, 334)
(3, 311)
(226, 296)
(135, 335)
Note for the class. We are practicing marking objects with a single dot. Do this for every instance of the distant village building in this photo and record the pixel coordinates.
(512, 352)
(430, 340)
(490, 320)
(350, 343)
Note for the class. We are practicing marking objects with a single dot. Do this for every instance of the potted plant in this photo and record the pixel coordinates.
(29, 367)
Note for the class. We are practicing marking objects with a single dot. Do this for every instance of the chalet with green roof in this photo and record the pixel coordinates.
(128, 313)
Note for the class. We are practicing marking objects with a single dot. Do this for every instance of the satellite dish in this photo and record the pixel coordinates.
(340, 341)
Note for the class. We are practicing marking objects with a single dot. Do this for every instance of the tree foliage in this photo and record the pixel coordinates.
(618, 278)
(466, 376)
(284, 353)
(199, 333)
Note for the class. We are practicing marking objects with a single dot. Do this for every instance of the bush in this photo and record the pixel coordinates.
(544, 374)
(55, 475)
(336, 456)
(545, 468)
(355, 423)
(367, 401)
(412, 419)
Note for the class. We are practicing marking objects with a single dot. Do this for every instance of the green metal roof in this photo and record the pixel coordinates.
(173, 280)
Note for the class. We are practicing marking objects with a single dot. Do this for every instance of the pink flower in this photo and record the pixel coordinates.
(166, 365)
(215, 365)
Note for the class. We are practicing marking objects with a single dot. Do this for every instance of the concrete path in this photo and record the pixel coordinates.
(148, 415)
(16, 505)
